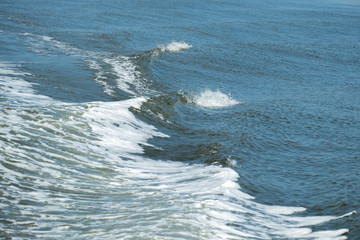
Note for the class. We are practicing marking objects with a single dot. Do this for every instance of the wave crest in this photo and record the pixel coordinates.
(171, 47)
(210, 99)
(174, 47)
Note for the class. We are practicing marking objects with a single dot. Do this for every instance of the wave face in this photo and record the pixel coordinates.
(101, 141)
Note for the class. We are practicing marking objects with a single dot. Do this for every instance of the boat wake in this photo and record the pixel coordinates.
(78, 170)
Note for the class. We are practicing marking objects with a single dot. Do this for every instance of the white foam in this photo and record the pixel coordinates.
(14, 87)
(95, 152)
(8, 68)
(126, 73)
(174, 47)
(210, 99)
(128, 78)
(100, 78)
(44, 45)
(283, 210)
(124, 133)
(122, 66)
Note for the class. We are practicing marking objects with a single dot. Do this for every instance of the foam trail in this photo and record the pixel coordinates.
(122, 66)
(14, 87)
(127, 75)
(45, 45)
(100, 77)
(89, 170)
(209, 198)
(79, 170)
(210, 99)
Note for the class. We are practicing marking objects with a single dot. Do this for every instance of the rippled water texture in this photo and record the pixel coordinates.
(179, 120)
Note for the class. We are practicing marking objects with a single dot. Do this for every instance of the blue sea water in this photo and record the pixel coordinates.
(179, 119)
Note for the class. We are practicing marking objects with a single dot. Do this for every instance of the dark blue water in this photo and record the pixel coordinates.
(179, 119)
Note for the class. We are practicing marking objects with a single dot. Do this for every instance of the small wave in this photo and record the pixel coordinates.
(171, 47)
(46, 45)
(174, 47)
(210, 99)
(84, 153)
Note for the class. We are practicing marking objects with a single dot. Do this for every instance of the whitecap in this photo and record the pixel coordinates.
(171, 47)
(210, 99)
(174, 47)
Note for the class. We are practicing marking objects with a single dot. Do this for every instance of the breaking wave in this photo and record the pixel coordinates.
(79, 170)
(172, 47)
(210, 99)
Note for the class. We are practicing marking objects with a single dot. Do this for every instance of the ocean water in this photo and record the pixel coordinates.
(179, 119)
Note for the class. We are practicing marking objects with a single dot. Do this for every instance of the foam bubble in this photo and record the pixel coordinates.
(126, 73)
(174, 47)
(100, 77)
(210, 99)
(111, 118)
(122, 66)
(46, 45)
(7, 68)
(102, 166)
(14, 87)
(99, 146)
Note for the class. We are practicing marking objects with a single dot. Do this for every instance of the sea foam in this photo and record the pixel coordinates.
(171, 47)
(92, 153)
(126, 73)
(174, 47)
(210, 99)
(15, 87)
